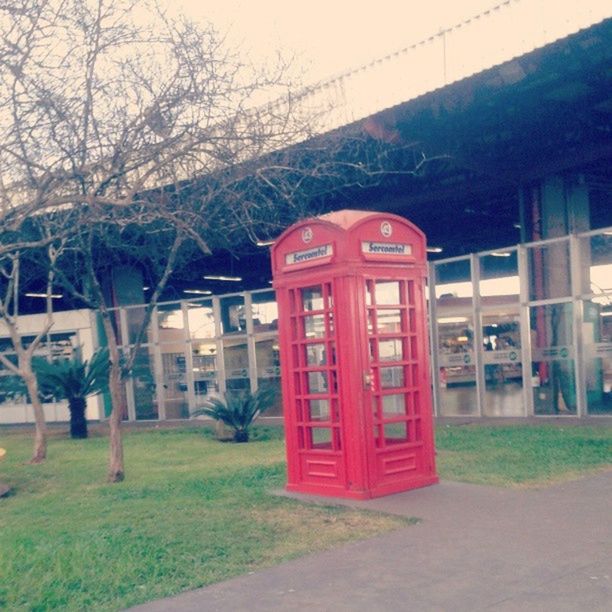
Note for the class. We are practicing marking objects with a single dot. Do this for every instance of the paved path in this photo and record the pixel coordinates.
(477, 548)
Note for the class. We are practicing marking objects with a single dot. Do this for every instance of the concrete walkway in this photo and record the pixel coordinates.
(477, 548)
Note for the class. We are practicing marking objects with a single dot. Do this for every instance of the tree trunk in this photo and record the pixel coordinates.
(40, 436)
(116, 471)
(78, 422)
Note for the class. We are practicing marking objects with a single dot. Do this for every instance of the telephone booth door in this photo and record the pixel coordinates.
(316, 411)
(398, 389)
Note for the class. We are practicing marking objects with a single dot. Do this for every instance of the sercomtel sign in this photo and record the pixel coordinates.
(315, 253)
(386, 248)
(354, 355)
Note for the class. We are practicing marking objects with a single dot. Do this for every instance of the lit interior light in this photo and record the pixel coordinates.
(198, 291)
(265, 243)
(500, 254)
(462, 338)
(452, 320)
(605, 314)
(232, 279)
(55, 296)
(146, 288)
(433, 249)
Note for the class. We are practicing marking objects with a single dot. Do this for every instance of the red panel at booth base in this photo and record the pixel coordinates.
(342, 492)
(354, 355)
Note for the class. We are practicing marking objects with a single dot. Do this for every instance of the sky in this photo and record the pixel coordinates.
(327, 37)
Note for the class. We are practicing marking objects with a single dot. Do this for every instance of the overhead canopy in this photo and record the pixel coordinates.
(477, 141)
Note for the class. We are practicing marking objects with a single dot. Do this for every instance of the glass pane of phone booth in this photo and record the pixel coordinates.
(552, 360)
(315, 369)
(394, 357)
(503, 372)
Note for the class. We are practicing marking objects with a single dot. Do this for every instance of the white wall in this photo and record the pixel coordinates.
(82, 322)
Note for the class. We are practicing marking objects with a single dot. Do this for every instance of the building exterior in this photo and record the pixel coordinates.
(72, 330)
(518, 193)
(505, 342)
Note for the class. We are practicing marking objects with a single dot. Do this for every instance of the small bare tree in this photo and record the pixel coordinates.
(20, 266)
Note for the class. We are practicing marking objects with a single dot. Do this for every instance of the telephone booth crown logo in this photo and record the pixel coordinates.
(307, 235)
(385, 229)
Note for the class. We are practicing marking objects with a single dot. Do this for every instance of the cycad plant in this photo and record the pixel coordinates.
(74, 380)
(239, 409)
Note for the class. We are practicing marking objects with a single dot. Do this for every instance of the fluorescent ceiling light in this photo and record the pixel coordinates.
(198, 291)
(265, 243)
(55, 296)
(233, 279)
(452, 320)
(433, 249)
(500, 254)
(605, 314)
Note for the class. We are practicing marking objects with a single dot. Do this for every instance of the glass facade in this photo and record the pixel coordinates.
(196, 349)
(524, 331)
(516, 332)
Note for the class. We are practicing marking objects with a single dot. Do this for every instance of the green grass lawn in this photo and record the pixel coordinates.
(193, 511)
(521, 455)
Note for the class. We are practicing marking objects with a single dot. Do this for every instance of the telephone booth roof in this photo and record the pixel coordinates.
(356, 236)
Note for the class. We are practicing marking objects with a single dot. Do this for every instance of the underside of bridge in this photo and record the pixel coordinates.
(497, 154)
(495, 142)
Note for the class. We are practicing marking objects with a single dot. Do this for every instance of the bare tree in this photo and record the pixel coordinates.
(20, 266)
(153, 136)
(103, 101)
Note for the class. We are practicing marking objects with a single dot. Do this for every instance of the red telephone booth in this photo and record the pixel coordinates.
(354, 355)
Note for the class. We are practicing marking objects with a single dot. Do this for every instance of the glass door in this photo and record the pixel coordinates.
(395, 391)
(314, 350)
(503, 370)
